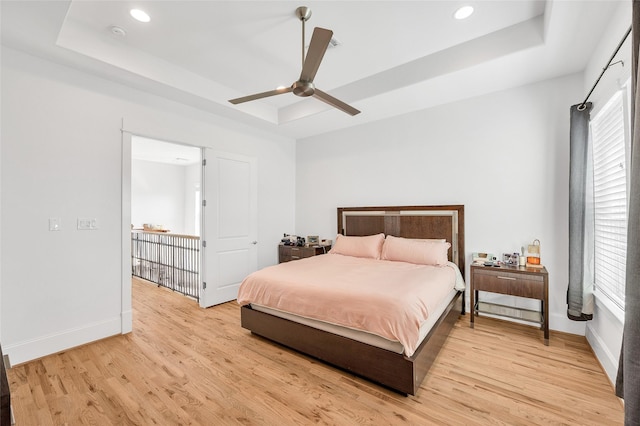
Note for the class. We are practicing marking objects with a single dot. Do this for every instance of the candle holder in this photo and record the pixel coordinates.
(533, 255)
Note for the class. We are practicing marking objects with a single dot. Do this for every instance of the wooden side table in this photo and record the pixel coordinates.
(532, 283)
(289, 253)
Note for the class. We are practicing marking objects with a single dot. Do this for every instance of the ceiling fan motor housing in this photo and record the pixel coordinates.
(303, 88)
(303, 13)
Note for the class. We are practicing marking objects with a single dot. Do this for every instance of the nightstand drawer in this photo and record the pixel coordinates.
(289, 253)
(300, 252)
(514, 284)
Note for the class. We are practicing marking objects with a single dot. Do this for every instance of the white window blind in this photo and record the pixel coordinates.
(610, 199)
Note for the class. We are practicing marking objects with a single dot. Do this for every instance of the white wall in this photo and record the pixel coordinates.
(617, 74)
(161, 195)
(504, 156)
(604, 332)
(61, 157)
(192, 183)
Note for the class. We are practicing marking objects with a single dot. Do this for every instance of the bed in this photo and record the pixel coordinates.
(391, 361)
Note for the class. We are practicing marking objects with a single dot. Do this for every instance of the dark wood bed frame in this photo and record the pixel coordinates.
(396, 371)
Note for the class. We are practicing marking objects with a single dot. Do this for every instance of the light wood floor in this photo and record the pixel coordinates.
(183, 365)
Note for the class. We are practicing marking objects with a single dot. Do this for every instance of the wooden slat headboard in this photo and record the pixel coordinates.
(409, 222)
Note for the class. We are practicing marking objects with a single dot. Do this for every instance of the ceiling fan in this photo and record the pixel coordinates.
(304, 87)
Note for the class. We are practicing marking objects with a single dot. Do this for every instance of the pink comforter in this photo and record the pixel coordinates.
(386, 298)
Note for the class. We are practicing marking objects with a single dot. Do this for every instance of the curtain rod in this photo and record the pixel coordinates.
(583, 105)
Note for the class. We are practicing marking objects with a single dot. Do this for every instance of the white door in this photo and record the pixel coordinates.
(229, 224)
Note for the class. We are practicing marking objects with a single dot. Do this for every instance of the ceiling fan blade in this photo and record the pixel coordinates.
(325, 97)
(261, 95)
(319, 43)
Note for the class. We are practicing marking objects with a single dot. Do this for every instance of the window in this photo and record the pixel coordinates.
(610, 199)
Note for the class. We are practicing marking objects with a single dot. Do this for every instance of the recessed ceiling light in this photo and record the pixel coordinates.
(463, 13)
(140, 15)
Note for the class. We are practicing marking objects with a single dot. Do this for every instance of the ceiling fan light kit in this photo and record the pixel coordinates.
(304, 87)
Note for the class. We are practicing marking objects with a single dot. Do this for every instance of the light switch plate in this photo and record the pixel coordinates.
(55, 224)
(86, 224)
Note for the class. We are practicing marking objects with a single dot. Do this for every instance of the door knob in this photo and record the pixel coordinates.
(254, 242)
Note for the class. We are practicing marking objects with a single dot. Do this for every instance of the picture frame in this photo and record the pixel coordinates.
(481, 258)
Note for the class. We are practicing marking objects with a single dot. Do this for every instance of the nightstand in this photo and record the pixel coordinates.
(289, 253)
(532, 283)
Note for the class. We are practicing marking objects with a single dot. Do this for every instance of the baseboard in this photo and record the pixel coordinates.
(560, 322)
(29, 350)
(606, 359)
(127, 321)
(557, 322)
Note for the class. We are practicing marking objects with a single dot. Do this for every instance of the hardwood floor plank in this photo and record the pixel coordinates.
(183, 365)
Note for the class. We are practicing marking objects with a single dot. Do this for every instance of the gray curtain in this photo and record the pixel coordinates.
(628, 380)
(579, 144)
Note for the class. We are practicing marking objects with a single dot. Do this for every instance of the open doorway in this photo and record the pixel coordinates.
(166, 210)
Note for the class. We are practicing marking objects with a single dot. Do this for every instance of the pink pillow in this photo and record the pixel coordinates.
(421, 252)
(369, 246)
